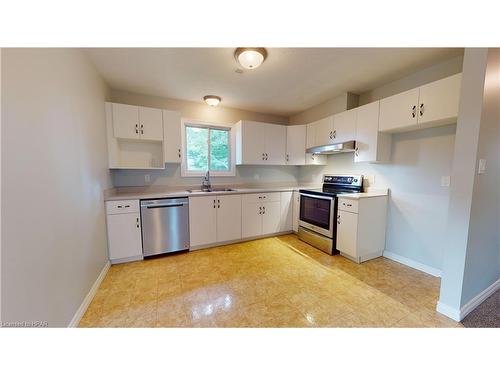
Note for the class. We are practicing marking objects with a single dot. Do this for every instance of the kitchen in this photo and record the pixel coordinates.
(334, 215)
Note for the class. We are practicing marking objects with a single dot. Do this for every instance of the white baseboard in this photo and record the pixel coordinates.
(459, 315)
(477, 300)
(412, 263)
(88, 298)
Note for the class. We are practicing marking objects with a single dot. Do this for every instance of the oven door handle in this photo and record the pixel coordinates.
(317, 196)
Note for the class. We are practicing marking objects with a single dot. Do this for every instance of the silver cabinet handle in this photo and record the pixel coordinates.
(136, 129)
(338, 219)
(214, 203)
(414, 111)
(179, 152)
(312, 156)
(331, 134)
(421, 109)
(142, 127)
(218, 203)
(137, 222)
(260, 210)
(356, 151)
(334, 134)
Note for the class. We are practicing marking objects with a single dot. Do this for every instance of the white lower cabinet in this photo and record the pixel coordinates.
(261, 214)
(296, 211)
(124, 231)
(214, 219)
(228, 217)
(361, 226)
(286, 208)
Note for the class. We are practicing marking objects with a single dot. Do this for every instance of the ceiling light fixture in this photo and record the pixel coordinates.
(212, 100)
(250, 57)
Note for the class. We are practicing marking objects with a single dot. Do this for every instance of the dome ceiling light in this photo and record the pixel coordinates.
(250, 57)
(212, 100)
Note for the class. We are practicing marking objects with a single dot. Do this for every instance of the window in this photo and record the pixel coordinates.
(207, 147)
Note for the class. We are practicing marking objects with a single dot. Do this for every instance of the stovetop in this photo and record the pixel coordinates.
(337, 184)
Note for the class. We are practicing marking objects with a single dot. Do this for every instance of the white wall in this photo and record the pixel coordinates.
(54, 172)
(471, 261)
(418, 204)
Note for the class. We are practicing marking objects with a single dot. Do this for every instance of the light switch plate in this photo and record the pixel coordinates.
(445, 181)
(482, 166)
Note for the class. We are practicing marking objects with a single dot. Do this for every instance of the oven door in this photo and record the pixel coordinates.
(316, 213)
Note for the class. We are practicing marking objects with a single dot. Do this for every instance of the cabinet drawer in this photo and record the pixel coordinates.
(349, 205)
(262, 197)
(122, 207)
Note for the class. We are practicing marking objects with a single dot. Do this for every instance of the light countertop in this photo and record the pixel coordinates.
(156, 192)
(370, 193)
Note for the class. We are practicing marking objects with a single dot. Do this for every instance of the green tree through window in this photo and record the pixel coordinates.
(207, 147)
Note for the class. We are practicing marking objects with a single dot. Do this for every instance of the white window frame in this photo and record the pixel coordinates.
(204, 124)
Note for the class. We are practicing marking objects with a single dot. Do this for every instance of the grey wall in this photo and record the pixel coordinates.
(54, 171)
(418, 204)
(472, 234)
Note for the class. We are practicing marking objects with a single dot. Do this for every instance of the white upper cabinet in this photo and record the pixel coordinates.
(434, 104)
(133, 122)
(150, 124)
(172, 136)
(313, 159)
(296, 144)
(399, 111)
(260, 143)
(275, 139)
(344, 124)
(371, 145)
(438, 101)
(310, 135)
(125, 121)
(323, 131)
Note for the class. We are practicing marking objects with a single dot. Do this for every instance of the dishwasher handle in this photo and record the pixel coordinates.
(167, 205)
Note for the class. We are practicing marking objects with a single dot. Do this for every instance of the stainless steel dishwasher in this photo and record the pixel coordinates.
(165, 225)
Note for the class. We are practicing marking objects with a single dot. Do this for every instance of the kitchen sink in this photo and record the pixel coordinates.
(211, 190)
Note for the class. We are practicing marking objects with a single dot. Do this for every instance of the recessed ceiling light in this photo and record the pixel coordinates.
(212, 100)
(251, 57)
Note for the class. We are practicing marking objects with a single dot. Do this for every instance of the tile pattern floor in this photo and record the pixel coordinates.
(272, 282)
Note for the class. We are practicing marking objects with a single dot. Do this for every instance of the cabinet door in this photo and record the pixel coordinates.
(344, 124)
(296, 211)
(125, 121)
(286, 207)
(347, 232)
(312, 159)
(275, 149)
(438, 102)
(253, 143)
(124, 236)
(151, 124)
(172, 136)
(399, 111)
(310, 135)
(251, 219)
(296, 145)
(202, 220)
(228, 217)
(323, 133)
(367, 132)
(271, 217)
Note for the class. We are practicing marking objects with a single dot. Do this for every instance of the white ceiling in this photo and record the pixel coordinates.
(289, 81)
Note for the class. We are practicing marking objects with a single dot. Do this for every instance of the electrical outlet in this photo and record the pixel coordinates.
(482, 166)
(445, 181)
(147, 178)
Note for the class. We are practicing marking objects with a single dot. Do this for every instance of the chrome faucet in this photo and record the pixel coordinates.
(206, 185)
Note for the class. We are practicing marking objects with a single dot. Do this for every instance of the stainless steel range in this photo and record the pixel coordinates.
(318, 210)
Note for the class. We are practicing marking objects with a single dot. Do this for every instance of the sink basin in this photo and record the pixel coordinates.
(209, 190)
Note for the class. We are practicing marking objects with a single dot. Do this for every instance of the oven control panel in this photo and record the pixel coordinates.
(343, 180)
